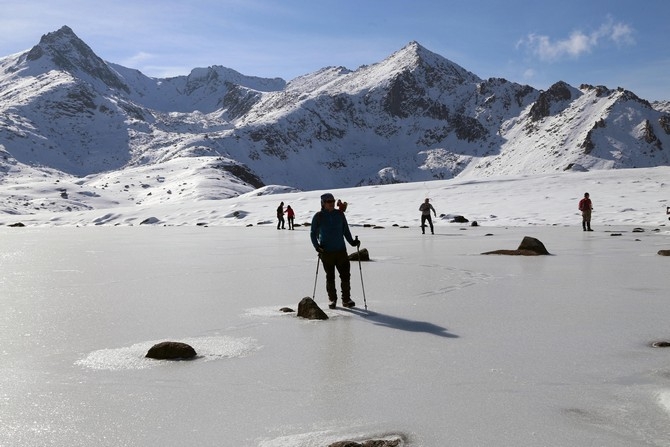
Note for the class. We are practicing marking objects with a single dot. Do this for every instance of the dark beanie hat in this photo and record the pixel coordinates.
(327, 196)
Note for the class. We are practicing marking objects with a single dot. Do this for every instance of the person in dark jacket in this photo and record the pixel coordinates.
(586, 206)
(280, 216)
(425, 209)
(328, 232)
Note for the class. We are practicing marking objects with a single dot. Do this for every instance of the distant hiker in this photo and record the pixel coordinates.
(280, 216)
(425, 209)
(328, 231)
(585, 206)
(290, 217)
(342, 206)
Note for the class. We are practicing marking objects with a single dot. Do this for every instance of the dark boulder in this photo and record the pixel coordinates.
(362, 255)
(171, 350)
(307, 308)
(397, 442)
(532, 244)
(459, 219)
(529, 247)
(664, 252)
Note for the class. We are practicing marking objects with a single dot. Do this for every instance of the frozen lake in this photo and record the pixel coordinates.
(456, 349)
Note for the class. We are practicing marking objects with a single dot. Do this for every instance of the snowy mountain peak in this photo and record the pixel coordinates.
(552, 101)
(69, 53)
(413, 56)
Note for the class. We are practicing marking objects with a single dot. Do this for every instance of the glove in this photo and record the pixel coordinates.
(357, 242)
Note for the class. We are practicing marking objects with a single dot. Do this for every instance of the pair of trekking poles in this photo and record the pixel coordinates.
(360, 269)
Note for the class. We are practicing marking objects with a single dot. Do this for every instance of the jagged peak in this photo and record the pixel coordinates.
(415, 55)
(69, 53)
(553, 100)
(620, 92)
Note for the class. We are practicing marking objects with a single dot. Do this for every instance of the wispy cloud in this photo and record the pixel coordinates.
(578, 42)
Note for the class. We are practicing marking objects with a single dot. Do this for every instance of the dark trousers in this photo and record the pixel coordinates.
(280, 222)
(586, 220)
(423, 223)
(337, 260)
(290, 223)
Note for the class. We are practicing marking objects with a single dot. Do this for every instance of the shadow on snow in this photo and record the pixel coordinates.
(403, 324)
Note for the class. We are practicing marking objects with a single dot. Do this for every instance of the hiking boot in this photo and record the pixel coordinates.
(332, 304)
(348, 303)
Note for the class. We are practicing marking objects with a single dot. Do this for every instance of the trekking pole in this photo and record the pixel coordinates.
(318, 258)
(360, 269)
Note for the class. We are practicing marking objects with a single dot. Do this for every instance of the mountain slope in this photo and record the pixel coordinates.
(414, 116)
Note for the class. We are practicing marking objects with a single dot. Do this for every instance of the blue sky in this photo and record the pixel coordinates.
(614, 43)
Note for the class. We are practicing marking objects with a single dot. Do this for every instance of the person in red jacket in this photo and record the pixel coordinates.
(586, 206)
(290, 217)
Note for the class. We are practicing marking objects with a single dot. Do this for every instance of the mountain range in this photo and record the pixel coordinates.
(68, 115)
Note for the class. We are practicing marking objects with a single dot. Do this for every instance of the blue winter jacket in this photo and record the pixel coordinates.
(329, 228)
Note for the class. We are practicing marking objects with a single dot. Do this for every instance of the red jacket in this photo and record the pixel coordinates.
(585, 204)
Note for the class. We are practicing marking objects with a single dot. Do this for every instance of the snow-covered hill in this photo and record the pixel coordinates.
(68, 116)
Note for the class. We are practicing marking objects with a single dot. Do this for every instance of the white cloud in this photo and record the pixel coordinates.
(578, 42)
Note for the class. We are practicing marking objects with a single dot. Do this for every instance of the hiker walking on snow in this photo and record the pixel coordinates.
(425, 209)
(586, 206)
(280, 216)
(290, 217)
(328, 231)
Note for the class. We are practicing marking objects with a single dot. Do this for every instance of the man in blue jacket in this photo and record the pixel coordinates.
(328, 231)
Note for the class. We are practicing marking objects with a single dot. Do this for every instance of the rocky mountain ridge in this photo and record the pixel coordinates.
(414, 116)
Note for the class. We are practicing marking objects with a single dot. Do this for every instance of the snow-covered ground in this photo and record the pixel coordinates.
(455, 348)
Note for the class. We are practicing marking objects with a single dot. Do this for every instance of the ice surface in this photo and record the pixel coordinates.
(456, 348)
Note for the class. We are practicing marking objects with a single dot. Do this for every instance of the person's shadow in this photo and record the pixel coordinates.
(402, 323)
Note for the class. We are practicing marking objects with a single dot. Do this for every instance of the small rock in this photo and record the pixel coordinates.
(307, 308)
(150, 221)
(171, 350)
(362, 255)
